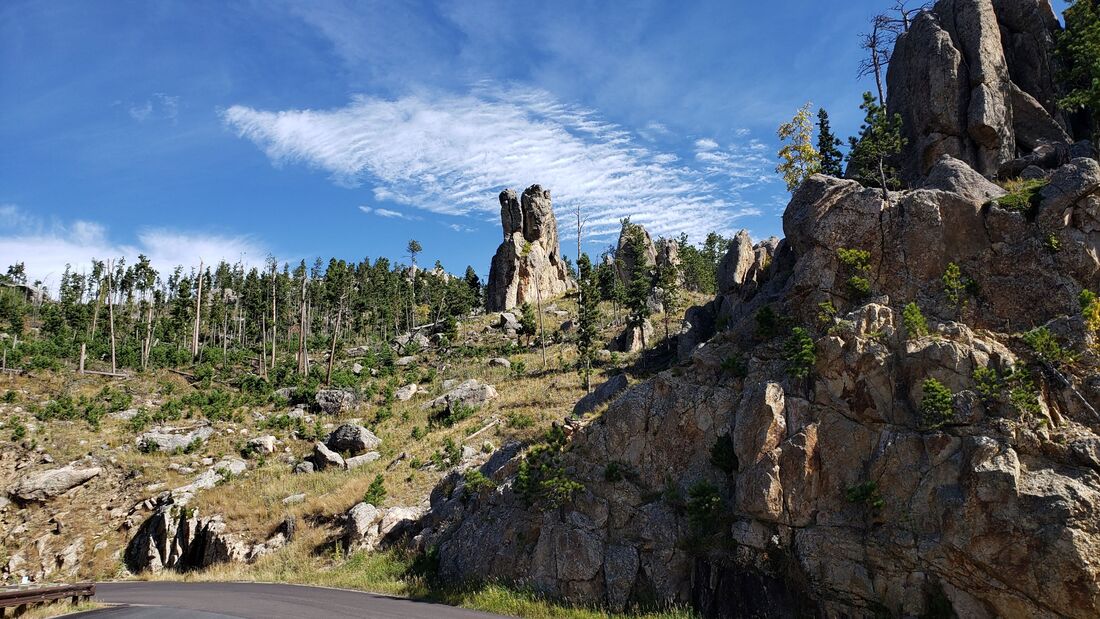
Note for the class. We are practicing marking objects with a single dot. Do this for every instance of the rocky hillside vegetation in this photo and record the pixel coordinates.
(890, 412)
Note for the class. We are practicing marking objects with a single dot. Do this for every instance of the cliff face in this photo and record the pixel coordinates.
(974, 79)
(743, 490)
(528, 263)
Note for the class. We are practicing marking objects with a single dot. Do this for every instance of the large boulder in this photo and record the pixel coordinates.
(352, 438)
(45, 485)
(170, 440)
(468, 393)
(973, 79)
(335, 401)
(528, 264)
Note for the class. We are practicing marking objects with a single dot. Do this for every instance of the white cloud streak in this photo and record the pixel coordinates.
(452, 154)
(46, 248)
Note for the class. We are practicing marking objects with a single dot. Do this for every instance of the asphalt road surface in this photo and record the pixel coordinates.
(232, 600)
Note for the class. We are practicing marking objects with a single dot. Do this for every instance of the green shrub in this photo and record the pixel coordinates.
(722, 455)
(735, 366)
(768, 323)
(541, 479)
(954, 286)
(826, 313)
(1023, 195)
(937, 405)
(915, 323)
(520, 421)
(857, 262)
(704, 506)
(376, 492)
(988, 384)
(1044, 344)
(453, 413)
(799, 353)
(614, 472)
(519, 369)
(9, 397)
(18, 429)
(418, 433)
(476, 481)
(866, 494)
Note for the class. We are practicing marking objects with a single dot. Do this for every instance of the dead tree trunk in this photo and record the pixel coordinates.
(111, 314)
(198, 318)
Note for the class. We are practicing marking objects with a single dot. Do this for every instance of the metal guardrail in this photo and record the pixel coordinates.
(20, 598)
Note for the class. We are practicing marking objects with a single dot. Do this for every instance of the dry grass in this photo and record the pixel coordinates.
(58, 609)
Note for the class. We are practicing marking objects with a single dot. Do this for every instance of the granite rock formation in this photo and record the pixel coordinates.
(528, 264)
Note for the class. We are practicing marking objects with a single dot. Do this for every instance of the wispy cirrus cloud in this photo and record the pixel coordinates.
(451, 155)
(46, 247)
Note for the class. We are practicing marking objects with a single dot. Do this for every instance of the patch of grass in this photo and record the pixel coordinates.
(376, 493)
(1023, 195)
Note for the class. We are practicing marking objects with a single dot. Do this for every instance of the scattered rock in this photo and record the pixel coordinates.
(357, 461)
(469, 393)
(325, 458)
(406, 393)
(261, 445)
(171, 440)
(500, 362)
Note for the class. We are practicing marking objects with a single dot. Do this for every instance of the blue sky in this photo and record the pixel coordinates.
(211, 130)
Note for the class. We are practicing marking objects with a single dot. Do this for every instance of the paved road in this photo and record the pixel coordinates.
(231, 600)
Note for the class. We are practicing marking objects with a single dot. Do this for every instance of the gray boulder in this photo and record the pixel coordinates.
(335, 401)
(172, 439)
(325, 458)
(352, 438)
(46, 485)
(469, 393)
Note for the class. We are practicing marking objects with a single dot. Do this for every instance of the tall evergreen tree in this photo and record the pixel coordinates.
(588, 318)
(828, 147)
(1079, 51)
(640, 285)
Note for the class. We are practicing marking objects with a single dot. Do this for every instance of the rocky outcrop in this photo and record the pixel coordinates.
(45, 485)
(738, 487)
(528, 264)
(973, 79)
(171, 440)
(176, 537)
(624, 260)
(601, 395)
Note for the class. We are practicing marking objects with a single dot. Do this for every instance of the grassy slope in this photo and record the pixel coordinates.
(252, 503)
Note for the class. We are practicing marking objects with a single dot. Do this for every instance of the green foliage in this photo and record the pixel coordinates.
(520, 421)
(476, 482)
(528, 323)
(588, 318)
(376, 492)
(857, 263)
(866, 494)
(735, 366)
(798, 159)
(704, 506)
(418, 433)
(1023, 195)
(699, 265)
(937, 405)
(768, 323)
(1046, 347)
(826, 313)
(879, 142)
(641, 281)
(1079, 52)
(1023, 395)
(18, 429)
(723, 456)
(9, 397)
(988, 384)
(453, 413)
(799, 354)
(541, 479)
(955, 287)
(915, 323)
(450, 454)
(518, 369)
(828, 147)
(614, 472)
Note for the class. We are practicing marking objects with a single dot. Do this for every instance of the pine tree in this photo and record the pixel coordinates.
(668, 283)
(588, 318)
(640, 285)
(528, 324)
(798, 157)
(880, 140)
(828, 147)
(1079, 51)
